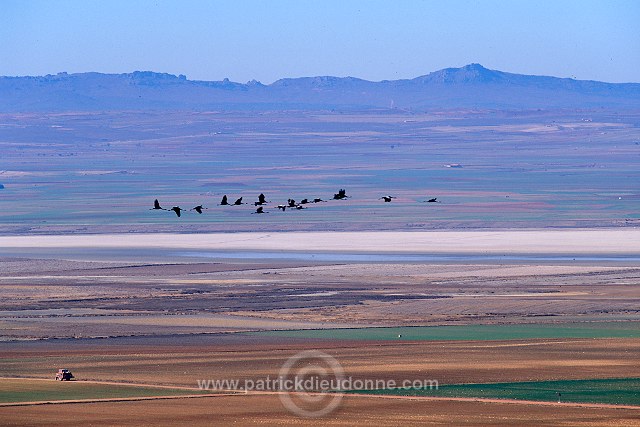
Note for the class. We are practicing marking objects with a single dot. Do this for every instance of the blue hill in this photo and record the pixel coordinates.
(471, 86)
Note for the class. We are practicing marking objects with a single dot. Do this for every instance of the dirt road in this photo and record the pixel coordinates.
(254, 393)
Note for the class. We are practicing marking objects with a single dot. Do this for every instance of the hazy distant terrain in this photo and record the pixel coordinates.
(472, 86)
(102, 171)
(87, 156)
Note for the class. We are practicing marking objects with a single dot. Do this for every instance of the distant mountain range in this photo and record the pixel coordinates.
(471, 86)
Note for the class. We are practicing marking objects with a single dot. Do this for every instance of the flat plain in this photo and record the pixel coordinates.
(182, 319)
(527, 270)
(96, 172)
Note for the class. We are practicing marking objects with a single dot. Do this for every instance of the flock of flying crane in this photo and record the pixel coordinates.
(291, 203)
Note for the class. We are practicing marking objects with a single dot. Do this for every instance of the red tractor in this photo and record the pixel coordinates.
(64, 375)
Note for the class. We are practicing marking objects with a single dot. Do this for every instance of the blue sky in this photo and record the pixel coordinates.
(374, 40)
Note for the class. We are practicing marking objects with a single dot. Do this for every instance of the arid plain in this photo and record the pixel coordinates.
(526, 271)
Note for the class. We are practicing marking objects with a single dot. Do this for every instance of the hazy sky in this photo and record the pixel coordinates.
(374, 40)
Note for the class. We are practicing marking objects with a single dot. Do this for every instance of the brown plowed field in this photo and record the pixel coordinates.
(267, 410)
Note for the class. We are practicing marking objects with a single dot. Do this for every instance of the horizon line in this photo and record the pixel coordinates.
(255, 81)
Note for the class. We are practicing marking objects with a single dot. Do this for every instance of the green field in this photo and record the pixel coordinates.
(17, 390)
(471, 332)
(620, 391)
